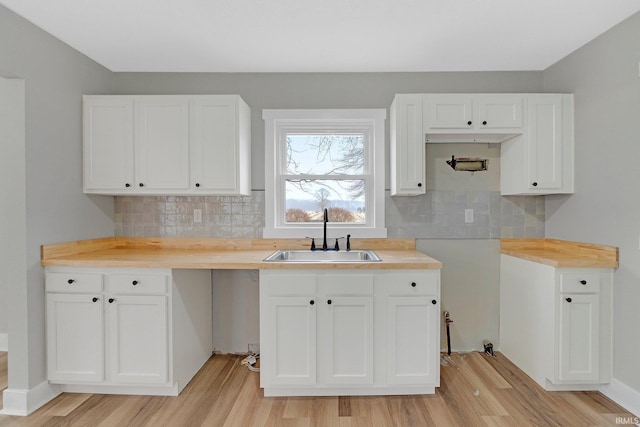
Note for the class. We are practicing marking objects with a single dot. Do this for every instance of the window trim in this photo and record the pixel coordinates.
(278, 121)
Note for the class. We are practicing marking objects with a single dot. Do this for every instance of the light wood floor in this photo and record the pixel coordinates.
(476, 390)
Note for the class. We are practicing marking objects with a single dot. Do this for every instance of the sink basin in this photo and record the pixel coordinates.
(322, 256)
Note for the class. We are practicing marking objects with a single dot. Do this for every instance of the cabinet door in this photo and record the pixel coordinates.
(579, 337)
(108, 144)
(216, 145)
(162, 143)
(499, 111)
(346, 340)
(407, 152)
(413, 340)
(449, 112)
(138, 339)
(75, 338)
(289, 344)
(544, 142)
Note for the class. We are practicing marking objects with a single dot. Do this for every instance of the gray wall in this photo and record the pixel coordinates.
(606, 209)
(55, 78)
(470, 266)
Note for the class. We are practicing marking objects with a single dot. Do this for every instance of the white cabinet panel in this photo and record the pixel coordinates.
(346, 340)
(289, 340)
(108, 144)
(579, 343)
(499, 112)
(75, 337)
(407, 150)
(544, 140)
(162, 143)
(138, 339)
(412, 339)
(220, 140)
(450, 112)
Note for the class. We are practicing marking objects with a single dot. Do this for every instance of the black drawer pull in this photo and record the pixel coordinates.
(111, 300)
(70, 281)
(583, 282)
(135, 282)
(94, 299)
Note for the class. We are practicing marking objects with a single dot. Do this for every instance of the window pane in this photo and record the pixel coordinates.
(325, 154)
(306, 200)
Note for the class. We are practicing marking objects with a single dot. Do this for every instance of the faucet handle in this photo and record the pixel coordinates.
(348, 242)
(337, 247)
(313, 243)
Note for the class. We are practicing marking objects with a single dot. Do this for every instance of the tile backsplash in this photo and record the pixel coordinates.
(437, 214)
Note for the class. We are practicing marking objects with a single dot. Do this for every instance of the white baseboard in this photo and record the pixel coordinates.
(23, 402)
(623, 395)
(4, 342)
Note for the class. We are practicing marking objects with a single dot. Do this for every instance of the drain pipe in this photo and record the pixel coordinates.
(447, 321)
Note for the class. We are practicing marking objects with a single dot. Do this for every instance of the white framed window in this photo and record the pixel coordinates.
(324, 159)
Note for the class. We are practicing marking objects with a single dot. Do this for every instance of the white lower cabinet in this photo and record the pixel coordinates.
(138, 339)
(75, 349)
(349, 333)
(556, 323)
(142, 331)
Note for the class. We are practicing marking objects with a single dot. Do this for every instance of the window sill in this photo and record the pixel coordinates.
(333, 231)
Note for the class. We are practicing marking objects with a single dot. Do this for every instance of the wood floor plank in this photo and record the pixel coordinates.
(476, 390)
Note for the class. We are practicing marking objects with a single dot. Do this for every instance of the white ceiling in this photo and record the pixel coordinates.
(324, 35)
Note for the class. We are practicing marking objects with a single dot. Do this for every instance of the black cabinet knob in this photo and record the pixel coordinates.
(568, 299)
(484, 123)
(434, 302)
(469, 122)
(312, 302)
(141, 185)
(135, 282)
(111, 300)
(197, 184)
(94, 299)
(329, 302)
(419, 184)
(583, 282)
(70, 281)
(127, 185)
(535, 184)
(413, 284)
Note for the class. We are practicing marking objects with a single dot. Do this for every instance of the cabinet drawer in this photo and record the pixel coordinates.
(411, 284)
(577, 282)
(136, 284)
(73, 282)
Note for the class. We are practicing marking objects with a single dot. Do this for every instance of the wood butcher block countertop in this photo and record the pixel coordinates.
(561, 253)
(215, 254)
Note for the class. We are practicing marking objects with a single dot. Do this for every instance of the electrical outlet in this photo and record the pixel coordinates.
(468, 216)
(253, 348)
(197, 216)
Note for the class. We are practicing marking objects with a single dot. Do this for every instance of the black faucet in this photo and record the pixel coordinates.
(324, 238)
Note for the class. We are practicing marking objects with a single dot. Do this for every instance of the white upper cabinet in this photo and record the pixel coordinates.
(108, 144)
(166, 144)
(162, 143)
(491, 118)
(535, 132)
(407, 152)
(221, 145)
(541, 160)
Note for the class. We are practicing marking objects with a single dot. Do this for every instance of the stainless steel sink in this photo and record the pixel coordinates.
(323, 256)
